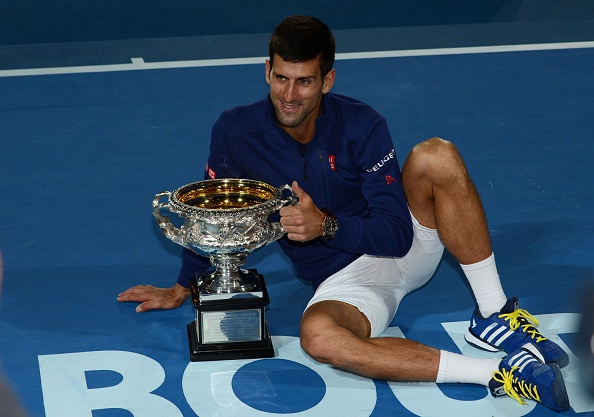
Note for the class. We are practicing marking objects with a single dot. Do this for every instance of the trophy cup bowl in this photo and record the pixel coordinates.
(226, 220)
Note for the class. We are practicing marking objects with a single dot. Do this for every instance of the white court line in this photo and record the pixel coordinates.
(139, 64)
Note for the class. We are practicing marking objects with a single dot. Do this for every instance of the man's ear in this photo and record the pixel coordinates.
(268, 68)
(329, 81)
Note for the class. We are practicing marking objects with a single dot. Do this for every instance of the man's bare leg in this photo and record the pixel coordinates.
(441, 196)
(337, 333)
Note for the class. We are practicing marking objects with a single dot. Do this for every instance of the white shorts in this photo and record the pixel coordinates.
(376, 285)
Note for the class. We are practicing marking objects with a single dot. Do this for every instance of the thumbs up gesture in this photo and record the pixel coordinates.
(303, 221)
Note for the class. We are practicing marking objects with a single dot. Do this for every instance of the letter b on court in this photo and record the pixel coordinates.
(66, 392)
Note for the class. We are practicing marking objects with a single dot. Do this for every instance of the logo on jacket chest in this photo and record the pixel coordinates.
(332, 160)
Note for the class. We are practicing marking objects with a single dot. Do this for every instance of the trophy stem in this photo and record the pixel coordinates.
(228, 276)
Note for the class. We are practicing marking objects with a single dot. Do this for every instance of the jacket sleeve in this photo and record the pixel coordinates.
(192, 265)
(388, 230)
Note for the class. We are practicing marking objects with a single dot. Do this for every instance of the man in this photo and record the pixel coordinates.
(366, 234)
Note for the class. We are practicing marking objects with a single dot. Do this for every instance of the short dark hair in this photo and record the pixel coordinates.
(303, 38)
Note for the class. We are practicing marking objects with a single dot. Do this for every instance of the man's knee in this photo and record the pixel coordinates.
(328, 330)
(435, 158)
(315, 340)
(435, 151)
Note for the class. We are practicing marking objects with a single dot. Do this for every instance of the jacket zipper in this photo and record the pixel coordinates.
(321, 159)
(304, 160)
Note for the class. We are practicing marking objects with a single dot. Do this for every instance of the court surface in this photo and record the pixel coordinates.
(86, 142)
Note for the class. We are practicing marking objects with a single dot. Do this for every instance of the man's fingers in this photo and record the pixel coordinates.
(148, 305)
(137, 293)
(299, 192)
(153, 298)
(296, 188)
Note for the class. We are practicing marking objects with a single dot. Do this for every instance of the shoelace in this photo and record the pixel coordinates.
(522, 318)
(514, 387)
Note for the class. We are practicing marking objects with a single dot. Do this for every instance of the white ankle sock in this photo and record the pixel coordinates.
(456, 368)
(486, 286)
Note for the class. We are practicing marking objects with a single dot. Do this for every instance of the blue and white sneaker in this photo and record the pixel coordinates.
(511, 329)
(521, 375)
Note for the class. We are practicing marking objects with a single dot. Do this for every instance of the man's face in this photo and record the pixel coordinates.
(296, 89)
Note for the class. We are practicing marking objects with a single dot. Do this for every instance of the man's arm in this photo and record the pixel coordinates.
(387, 228)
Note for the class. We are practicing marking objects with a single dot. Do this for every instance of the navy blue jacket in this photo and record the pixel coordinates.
(349, 167)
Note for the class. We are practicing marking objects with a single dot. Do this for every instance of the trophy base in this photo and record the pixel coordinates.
(229, 325)
(228, 351)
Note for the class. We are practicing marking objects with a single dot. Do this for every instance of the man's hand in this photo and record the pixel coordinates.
(302, 222)
(153, 298)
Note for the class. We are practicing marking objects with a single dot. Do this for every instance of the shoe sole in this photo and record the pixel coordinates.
(562, 362)
(559, 389)
(472, 340)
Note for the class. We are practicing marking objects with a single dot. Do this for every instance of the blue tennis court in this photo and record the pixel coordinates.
(88, 139)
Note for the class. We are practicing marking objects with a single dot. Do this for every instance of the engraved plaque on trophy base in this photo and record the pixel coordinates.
(229, 325)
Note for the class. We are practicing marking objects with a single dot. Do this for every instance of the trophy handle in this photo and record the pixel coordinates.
(292, 200)
(164, 222)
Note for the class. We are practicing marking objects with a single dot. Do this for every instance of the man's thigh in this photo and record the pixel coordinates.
(370, 285)
(328, 316)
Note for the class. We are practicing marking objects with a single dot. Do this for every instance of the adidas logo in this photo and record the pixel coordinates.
(535, 352)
